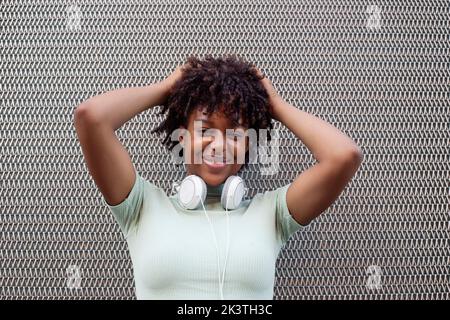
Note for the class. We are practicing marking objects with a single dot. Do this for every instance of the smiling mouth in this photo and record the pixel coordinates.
(214, 162)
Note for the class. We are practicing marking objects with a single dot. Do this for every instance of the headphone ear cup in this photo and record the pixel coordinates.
(232, 193)
(192, 192)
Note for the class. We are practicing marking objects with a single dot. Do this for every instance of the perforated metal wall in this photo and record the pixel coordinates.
(377, 70)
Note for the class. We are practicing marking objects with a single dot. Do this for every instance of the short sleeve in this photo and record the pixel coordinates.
(127, 212)
(286, 225)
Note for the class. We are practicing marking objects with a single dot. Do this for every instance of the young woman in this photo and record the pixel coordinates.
(183, 253)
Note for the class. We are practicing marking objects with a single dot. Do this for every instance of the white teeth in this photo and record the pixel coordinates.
(215, 160)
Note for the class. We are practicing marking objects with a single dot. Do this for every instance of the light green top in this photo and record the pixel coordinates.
(173, 251)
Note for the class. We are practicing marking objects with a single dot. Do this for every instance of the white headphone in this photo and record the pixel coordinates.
(192, 192)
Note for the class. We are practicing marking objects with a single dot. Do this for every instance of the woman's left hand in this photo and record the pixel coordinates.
(272, 93)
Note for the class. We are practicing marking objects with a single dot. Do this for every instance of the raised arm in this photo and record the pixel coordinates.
(96, 120)
(315, 189)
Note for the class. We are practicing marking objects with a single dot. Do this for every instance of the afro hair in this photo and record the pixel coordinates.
(228, 84)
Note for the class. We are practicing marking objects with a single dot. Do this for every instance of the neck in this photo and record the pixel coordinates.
(214, 191)
(211, 191)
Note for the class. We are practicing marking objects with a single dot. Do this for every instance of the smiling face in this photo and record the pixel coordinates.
(210, 150)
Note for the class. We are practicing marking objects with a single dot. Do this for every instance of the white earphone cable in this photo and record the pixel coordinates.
(217, 248)
(228, 244)
(221, 278)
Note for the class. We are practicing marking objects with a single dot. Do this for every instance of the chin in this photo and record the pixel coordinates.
(215, 178)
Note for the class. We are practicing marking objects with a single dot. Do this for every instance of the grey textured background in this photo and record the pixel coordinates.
(386, 87)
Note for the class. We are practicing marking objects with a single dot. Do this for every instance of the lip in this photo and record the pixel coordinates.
(218, 165)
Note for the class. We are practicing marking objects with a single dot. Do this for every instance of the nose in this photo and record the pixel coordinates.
(218, 145)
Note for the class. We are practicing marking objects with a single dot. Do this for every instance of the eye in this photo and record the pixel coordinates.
(203, 130)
